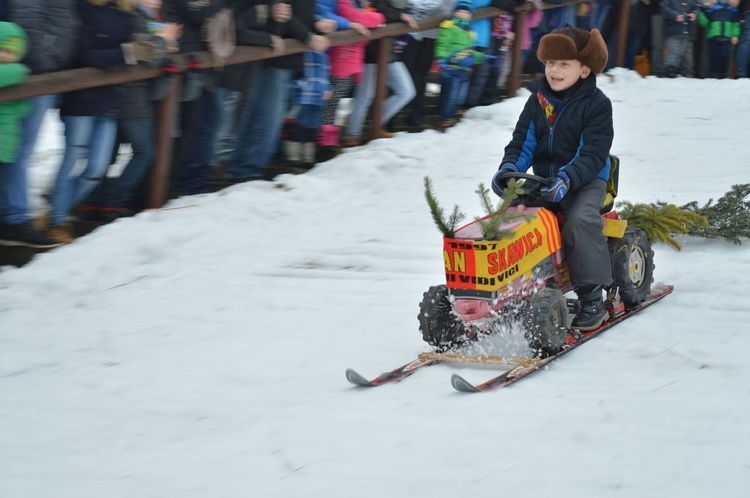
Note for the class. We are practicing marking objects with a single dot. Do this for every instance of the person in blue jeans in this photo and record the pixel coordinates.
(262, 118)
(115, 196)
(599, 11)
(90, 116)
(214, 107)
(398, 79)
(47, 23)
(456, 56)
(743, 47)
(721, 18)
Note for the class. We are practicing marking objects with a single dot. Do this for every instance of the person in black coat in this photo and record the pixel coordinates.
(217, 106)
(90, 115)
(564, 134)
(192, 16)
(118, 196)
(262, 117)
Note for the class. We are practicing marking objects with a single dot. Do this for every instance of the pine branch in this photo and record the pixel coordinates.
(661, 221)
(447, 227)
(728, 219)
(498, 215)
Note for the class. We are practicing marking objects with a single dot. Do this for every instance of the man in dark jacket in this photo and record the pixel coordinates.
(192, 15)
(564, 133)
(253, 22)
(52, 27)
(263, 114)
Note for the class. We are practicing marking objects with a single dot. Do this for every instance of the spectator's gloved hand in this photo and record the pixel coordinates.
(463, 59)
(557, 189)
(144, 48)
(505, 168)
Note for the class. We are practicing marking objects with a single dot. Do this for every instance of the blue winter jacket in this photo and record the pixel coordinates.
(574, 136)
(327, 10)
(483, 27)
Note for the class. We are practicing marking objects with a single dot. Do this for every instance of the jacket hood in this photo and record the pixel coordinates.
(10, 31)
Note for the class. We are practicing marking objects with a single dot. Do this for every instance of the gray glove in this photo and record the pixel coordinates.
(144, 48)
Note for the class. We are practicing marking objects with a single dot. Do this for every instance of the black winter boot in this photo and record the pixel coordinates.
(593, 312)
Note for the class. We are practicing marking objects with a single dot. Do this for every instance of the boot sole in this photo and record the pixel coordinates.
(16, 243)
(589, 328)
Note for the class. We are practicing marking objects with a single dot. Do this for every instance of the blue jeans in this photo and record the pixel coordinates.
(477, 82)
(90, 139)
(119, 191)
(14, 190)
(260, 123)
(309, 120)
(718, 58)
(454, 86)
(743, 49)
(599, 12)
(228, 126)
(201, 148)
(402, 92)
(633, 44)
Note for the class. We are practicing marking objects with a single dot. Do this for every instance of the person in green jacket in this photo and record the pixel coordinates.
(456, 56)
(13, 42)
(721, 18)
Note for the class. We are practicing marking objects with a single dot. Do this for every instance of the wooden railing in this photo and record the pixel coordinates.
(88, 77)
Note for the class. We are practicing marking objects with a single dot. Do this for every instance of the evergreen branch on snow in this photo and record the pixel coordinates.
(498, 215)
(661, 221)
(447, 227)
(728, 219)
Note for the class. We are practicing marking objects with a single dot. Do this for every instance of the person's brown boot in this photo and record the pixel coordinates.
(385, 133)
(62, 232)
(351, 141)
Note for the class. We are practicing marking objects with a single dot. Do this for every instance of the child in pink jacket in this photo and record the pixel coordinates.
(347, 61)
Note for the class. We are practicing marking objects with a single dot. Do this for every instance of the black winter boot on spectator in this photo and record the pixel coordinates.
(24, 234)
(86, 212)
(593, 312)
(110, 214)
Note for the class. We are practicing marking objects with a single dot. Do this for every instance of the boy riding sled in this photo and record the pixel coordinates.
(564, 134)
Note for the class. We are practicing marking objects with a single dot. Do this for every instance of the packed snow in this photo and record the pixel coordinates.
(199, 350)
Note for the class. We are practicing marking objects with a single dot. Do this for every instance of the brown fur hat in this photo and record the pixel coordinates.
(588, 47)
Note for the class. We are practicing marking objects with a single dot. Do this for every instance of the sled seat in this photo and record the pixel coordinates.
(612, 184)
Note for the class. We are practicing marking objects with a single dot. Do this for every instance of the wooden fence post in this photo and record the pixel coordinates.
(165, 121)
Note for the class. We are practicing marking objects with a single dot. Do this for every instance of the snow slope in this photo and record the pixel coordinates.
(199, 351)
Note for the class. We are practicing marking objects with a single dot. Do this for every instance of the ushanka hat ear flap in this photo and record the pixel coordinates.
(594, 54)
(574, 44)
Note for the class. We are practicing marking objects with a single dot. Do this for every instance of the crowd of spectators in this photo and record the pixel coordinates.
(235, 121)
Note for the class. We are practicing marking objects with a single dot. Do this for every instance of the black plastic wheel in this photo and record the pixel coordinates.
(440, 327)
(545, 320)
(632, 263)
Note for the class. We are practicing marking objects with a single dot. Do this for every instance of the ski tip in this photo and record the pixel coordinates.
(357, 379)
(461, 384)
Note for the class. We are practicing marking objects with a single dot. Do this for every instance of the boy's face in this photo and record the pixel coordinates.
(562, 75)
(7, 56)
(463, 14)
